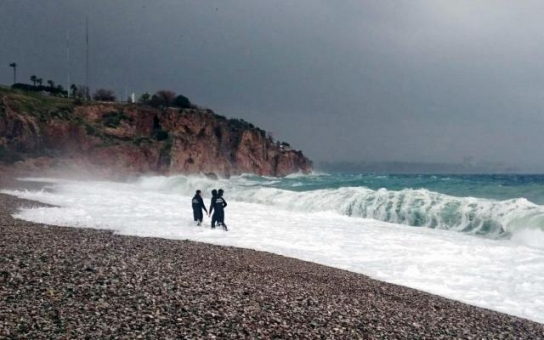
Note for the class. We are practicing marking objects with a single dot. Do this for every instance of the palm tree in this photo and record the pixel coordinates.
(39, 81)
(51, 83)
(33, 79)
(14, 65)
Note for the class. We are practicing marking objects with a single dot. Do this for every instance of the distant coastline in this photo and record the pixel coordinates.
(423, 168)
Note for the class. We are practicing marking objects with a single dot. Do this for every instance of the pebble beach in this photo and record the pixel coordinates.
(68, 283)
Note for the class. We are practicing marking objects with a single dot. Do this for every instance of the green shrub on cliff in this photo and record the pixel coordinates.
(164, 98)
(144, 98)
(57, 91)
(240, 123)
(91, 130)
(182, 102)
(104, 95)
(36, 104)
(113, 119)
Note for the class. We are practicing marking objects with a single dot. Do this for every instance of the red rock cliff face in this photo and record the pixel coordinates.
(134, 139)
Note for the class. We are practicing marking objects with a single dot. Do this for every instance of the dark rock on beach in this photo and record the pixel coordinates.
(67, 283)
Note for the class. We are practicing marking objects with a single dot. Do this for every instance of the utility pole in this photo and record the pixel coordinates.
(87, 94)
(68, 61)
(14, 65)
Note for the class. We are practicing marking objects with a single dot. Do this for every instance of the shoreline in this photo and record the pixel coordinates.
(71, 282)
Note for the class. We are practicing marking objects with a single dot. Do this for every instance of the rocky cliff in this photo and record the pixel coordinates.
(132, 139)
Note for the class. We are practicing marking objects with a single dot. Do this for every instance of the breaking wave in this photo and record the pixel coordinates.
(413, 207)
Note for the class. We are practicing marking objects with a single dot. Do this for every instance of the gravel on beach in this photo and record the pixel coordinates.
(69, 283)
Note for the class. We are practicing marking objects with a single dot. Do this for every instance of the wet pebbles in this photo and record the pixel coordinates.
(70, 283)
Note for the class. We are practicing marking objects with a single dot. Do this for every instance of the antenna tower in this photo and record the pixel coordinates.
(87, 91)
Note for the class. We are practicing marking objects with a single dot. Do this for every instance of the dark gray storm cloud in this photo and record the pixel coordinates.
(432, 81)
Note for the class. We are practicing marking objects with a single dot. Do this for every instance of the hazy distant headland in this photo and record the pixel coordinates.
(47, 128)
(418, 168)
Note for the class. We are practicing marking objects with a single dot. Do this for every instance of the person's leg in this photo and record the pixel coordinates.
(221, 217)
(214, 219)
(195, 214)
(199, 217)
(223, 220)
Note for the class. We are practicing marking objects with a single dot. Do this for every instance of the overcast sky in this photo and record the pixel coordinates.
(413, 80)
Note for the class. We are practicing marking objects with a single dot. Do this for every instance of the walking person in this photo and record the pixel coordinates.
(220, 204)
(198, 205)
(212, 203)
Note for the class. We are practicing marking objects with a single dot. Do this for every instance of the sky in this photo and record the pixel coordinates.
(405, 80)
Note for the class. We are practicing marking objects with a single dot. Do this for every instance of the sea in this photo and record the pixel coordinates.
(478, 239)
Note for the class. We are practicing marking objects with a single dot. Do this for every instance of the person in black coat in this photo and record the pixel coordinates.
(198, 205)
(219, 206)
(212, 203)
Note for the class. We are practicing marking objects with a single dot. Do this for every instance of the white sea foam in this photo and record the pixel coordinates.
(504, 275)
(529, 237)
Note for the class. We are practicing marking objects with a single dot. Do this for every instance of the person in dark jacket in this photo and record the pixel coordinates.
(212, 203)
(220, 204)
(198, 205)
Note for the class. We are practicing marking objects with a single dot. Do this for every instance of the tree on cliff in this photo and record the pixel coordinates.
(39, 81)
(81, 92)
(163, 98)
(33, 79)
(60, 89)
(182, 102)
(73, 90)
(14, 65)
(51, 83)
(104, 95)
(144, 98)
